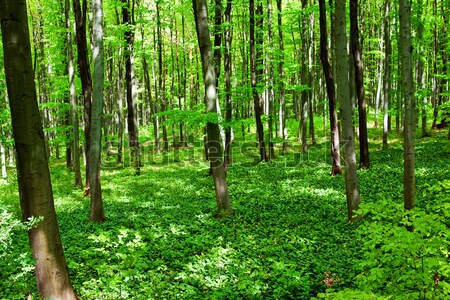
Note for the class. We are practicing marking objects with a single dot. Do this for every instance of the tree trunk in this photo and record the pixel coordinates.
(161, 77)
(85, 76)
(270, 76)
(304, 75)
(421, 78)
(359, 79)
(408, 90)
(228, 95)
(96, 213)
(310, 41)
(387, 72)
(35, 189)
(282, 109)
(256, 74)
(214, 145)
(132, 114)
(343, 95)
(329, 80)
(73, 99)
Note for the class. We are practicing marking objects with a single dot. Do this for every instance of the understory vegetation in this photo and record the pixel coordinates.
(288, 238)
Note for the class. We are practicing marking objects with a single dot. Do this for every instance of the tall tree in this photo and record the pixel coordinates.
(161, 75)
(228, 92)
(256, 64)
(96, 212)
(304, 75)
(35, 189)
(270, 81)
(209, 78)
(132, 114)
(387, 72)
(282, 104)
(343, 96)
(73, 99)
(408, 94)
(329, 80)
(359, 79)
(85, 76)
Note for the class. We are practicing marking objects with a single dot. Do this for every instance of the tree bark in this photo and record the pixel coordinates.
(161, 77)
(35, 189)
(387, 72)
(270, 76)
(85, 76)
(282, 103)
(132, 113)
(256, 73)
(329, 80)
(96, 212)
(359, 79)
(343, 95)
(73, 99)
(408, 94)
(214, 145)
(228, 95)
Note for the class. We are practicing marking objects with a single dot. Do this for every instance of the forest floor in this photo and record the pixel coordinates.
(288, 238)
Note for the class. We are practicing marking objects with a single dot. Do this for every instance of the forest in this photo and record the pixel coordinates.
(235, 149)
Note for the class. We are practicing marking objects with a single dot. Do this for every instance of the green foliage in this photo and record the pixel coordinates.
(17, 277)
(397, 262)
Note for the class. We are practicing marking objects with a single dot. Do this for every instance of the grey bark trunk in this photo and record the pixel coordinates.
(343, 96)
(73, 100)
(387, 73)
(96, 212)
(408, 93)
(282, 109)
(35, 189)
(214, 145)
(329, 80)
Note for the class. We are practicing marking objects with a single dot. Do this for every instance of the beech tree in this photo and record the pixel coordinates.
(132, 118)
(256, 20)
(329, 80)
(85, 76)
(73, 98)
(96, 212)
(214, 146)
(407, 82)
(35, 189)
(343, 96)
(359, 79)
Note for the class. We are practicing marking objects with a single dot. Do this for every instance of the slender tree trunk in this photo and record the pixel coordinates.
(228, 95)
(214, 145)
(421, 78)
(304, 75)
(85, 76)
(96, 212)
(132, 113)
(282, 104)
(35, 189)
(310, 41)
(329, 80)
(270, 76)
(387, 72)
(359, 77)
(161, 77)
(256, 74)
(73, 99)
(343, 95)
(408, 90)
(3, 160)
(119, 108)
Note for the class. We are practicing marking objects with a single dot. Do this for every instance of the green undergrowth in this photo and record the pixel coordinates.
(288, 237)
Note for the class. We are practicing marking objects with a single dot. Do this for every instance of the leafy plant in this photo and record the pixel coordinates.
(16, 277)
